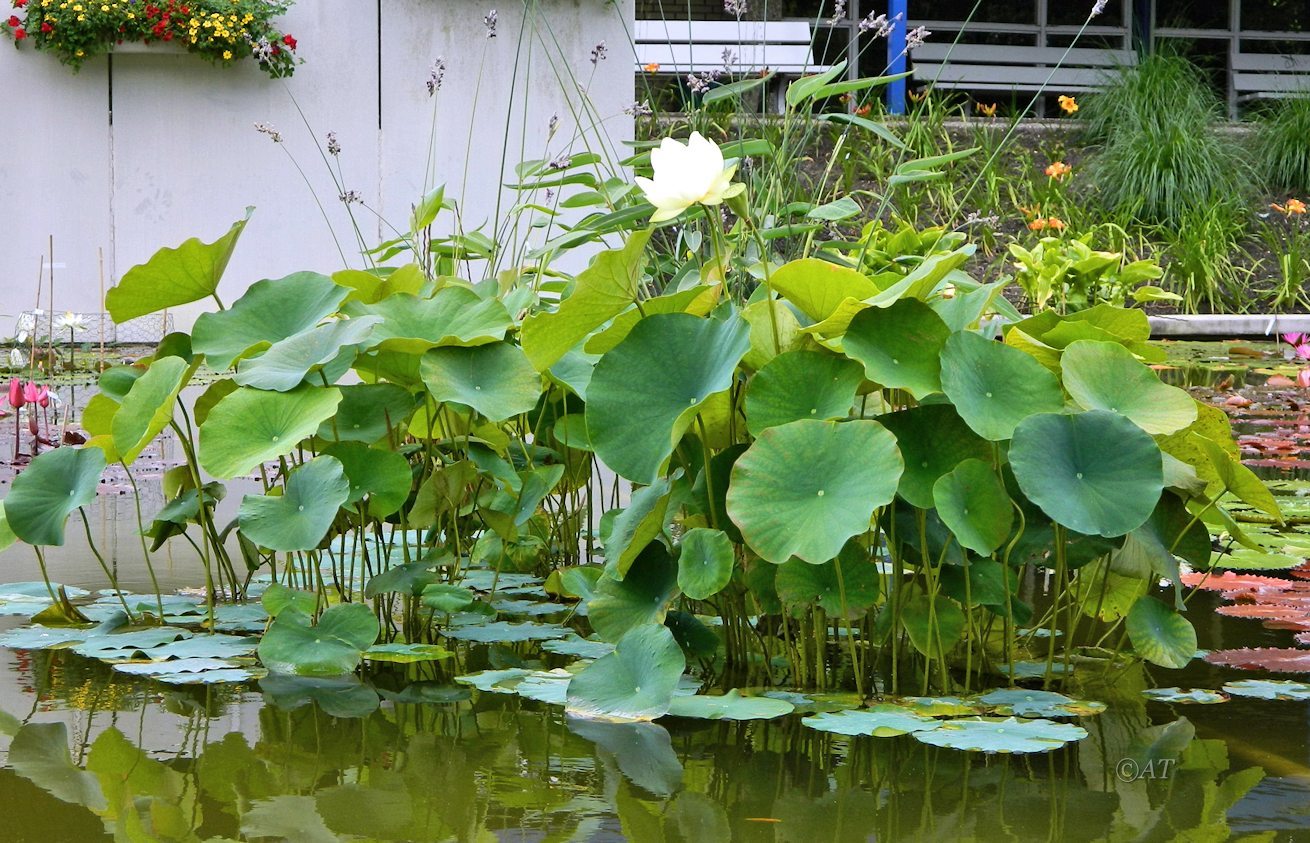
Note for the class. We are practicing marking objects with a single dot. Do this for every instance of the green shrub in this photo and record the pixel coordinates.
(1283, 145)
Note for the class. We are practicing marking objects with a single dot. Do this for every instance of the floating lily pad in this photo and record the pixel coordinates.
(531, 608)
(938, 706)
(188, 665)
(406, 653)
(1020, 702)
(1268, 689)
(583, 648)
(548, 686)
(1180, 695)
(216, 646)
(1274, 660)
(129, 645)
(43, 637)
(729, 706)
(883, 721)
(240, 617)
(495, 681)
(504, 632)
(427, 693)
(1005, 735)
(803, 489)
(635, 682)
(1032, 669)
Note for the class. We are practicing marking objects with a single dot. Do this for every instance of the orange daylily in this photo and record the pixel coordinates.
(1058, 170)
(653, 67)
(988, 110)
(1068, 104)
(1294, 207)
(1046, 224)
(916, 96)
(863, 110)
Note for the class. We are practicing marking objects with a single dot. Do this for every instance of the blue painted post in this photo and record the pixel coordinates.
(896, 54)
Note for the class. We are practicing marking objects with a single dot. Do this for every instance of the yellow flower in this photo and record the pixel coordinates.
(227, 55)
(1068, 105)
(986, 110)
(1058, 170)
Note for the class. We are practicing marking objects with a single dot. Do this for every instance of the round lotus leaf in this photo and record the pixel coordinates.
(333, 647)
(933, 440)
(452, 316)
(322, 353)
(883, 721)
(994, 386)
(1096, 472)
(252, 426)
(1159, 634)
(1268, 689)
(642, 597)
(1006, 735)
(635, 682)
(938, 706)
(148, 406)
(804, 488)
(495, 681)
(368, 413)
(900, 346)
(646, 391)
(801, 385)
(214, 646)
(299, 518)
(504, 632)
(383, 477)
(1199, 696)
(705, 560)
(447, 598)
(583, 648)
(406, 653)
(269, 311)
(53, 486)
(729, 706)
(496, 379)
(972, 502)
(547, 686)
(1106, 376)
(1021, 702)
(850, 595)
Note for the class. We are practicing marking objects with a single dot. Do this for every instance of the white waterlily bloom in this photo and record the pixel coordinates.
(687, 174)
(71, 322)
(17, 359)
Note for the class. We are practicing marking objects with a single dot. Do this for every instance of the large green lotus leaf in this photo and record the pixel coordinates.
(847, 593)
(129, 645)
(1159, 634)
(371, 286)
(39, 753)
(994, 386)
(635, 682)
(818, 287)
(495, 379)
(801, 385)
(772, 333)
(173, 276)
(447, 598)
(368, 412)
(1106, 376)
(331, 648)
(971, 501)
(50, 489)
(453, 316)
(299, 518)
(277, 598)
(504, 632)
(406, 653)
(1005, 735)
(322, 353)
(1239, 480)
(1268, 689)
(698, 301)
(729, 706)
(933, 440)
(148, 406)
(647, 389)
(384, 477)
(637, 525)
(900, 346)
(270, 311)
(804, 488)
(7, 536)
(641, 597)
(705, 560)
(1095, 472)
(212, 646)
(252, 426)
(934, 625)
(883, 721)
(610, 285)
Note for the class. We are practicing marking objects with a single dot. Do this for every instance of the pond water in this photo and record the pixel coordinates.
(409, 754)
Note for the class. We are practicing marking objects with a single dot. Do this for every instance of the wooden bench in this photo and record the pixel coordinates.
(1269, 75)
(991, 67)
(738, 48)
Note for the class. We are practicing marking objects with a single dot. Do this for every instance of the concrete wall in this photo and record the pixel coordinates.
(178, 155)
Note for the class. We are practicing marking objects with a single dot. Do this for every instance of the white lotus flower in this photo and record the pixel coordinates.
(687, 174)
(71, 322)
(17, 359)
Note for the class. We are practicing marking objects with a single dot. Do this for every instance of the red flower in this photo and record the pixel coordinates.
(46, 27)
(14, 21)
(20, 34)
(16, 398)
(289, 41)
(20, 3)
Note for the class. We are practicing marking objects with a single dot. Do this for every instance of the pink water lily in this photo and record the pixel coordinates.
(16, 399)
(34, 394)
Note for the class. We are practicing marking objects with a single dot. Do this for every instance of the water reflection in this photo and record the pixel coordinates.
(306, 761)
